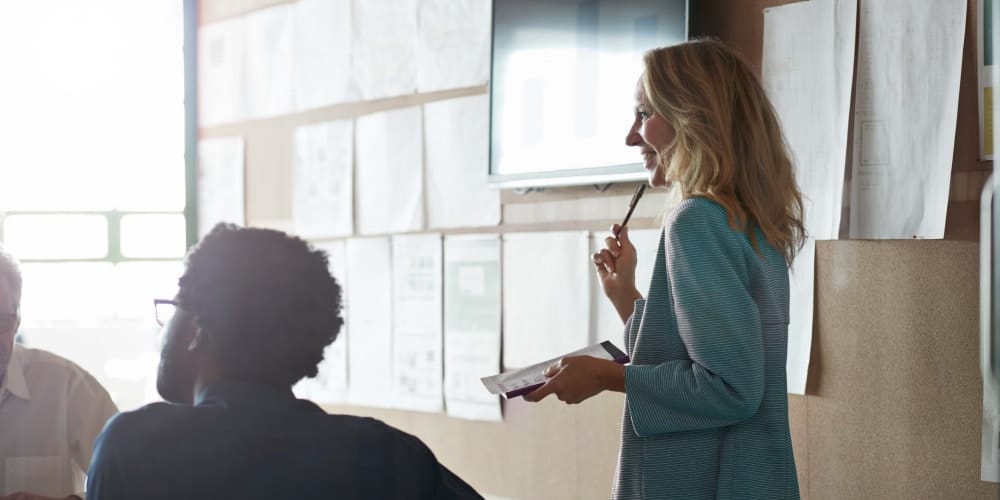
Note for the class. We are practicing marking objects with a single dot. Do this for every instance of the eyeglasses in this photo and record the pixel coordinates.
(165, 309)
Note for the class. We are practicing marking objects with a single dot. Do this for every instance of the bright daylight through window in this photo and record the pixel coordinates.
(92, 178)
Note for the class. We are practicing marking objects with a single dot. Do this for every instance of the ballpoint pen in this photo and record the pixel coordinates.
(631, 204)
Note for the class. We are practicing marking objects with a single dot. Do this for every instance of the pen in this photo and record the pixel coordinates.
(631, 204)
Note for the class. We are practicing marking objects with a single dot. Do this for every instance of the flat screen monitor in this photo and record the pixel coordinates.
(562, 87)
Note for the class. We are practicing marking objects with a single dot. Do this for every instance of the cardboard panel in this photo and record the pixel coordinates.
(798, 407)
(896, 402)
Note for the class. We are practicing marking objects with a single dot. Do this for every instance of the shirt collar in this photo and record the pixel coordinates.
(247, 396)
(14, 382)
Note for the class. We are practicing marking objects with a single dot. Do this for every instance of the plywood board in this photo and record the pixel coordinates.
(895, 407)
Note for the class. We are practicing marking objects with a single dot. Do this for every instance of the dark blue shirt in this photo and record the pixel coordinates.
(251, 441)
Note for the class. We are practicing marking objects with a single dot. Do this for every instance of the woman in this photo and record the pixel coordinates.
(706, 411)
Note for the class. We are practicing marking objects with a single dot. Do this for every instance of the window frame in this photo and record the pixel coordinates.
(190, 211)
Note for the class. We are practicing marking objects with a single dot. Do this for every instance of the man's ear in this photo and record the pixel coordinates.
(199, 339)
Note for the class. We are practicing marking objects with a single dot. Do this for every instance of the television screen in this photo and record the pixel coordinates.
(562, 87)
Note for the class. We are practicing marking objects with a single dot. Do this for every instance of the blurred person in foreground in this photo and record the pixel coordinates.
(51, 410)
(254, 312)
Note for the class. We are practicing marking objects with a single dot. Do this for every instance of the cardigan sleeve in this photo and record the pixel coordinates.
(719, 323)
(632, 325)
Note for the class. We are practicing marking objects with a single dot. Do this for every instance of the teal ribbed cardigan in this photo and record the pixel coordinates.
(706, 410)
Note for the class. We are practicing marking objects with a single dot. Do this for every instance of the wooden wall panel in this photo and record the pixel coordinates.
(895, 402)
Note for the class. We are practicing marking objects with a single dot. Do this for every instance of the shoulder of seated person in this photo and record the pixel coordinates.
(132, 430)
(373, 428)
(362, 424)
(40, 364)
(31, 358)
(126, 421)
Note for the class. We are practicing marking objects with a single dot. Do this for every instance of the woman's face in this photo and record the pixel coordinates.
(651, 134)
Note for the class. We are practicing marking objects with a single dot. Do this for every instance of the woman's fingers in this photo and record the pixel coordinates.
(622, 234)
(553, 369)
(540, 393)
(605, 263)
(611, 244)
(602, 271)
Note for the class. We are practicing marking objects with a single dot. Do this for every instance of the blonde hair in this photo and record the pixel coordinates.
(728, 146)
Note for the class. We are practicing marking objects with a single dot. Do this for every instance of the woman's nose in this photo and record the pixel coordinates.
(633, 138)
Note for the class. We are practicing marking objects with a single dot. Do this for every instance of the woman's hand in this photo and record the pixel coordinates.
(577, 378)
(615, 266)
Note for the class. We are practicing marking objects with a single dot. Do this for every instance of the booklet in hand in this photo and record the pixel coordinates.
(519, 382)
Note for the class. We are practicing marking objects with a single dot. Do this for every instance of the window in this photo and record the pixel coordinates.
(93, 179)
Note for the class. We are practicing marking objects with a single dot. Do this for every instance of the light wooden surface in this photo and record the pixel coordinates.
(895, 399)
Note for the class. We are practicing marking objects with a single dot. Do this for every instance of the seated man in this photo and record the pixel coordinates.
(254, 312)
(50, 409)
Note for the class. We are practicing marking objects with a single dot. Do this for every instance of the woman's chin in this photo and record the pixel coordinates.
(656, 179)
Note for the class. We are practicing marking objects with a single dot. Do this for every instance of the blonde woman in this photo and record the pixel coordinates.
(706, 411)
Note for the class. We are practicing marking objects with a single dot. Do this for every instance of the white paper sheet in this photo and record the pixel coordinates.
(807, 71)
(383, 54)
(269, 59)
(906, 105)
(220, 72)
(808, 65)
(369, 346)
(323, 180)
(606, 324)
(990, 444)
(546, 295)
(220, 183)
(417, 325)
(515, 383)
(471, 324)
(390, 172)
(330, 385)
(458, 132)
(801, 286)
(990, 457)
(322, 53)
(453, 48)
